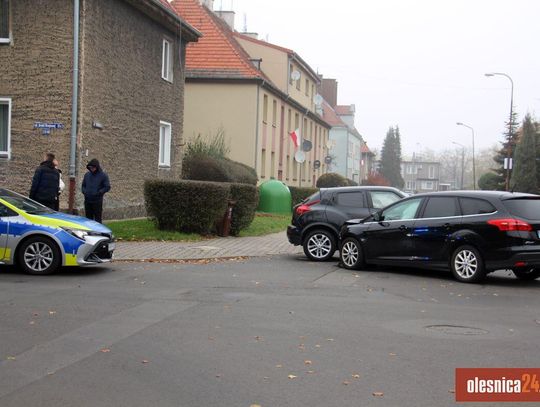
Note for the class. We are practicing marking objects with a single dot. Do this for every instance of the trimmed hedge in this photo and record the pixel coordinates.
(197, 206)
(298, 194)
(331, 180)
(246, 198)
(207, 168)
(187, 206)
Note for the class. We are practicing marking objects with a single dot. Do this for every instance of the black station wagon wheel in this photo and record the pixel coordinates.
(351, 254)
(319, 245)
(527, 274)
(39, 255)
(467, 265)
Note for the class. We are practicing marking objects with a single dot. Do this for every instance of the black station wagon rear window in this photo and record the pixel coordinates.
(472, 206)
(524, 208)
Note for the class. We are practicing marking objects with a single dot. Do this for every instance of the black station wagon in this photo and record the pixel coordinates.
(471, 233)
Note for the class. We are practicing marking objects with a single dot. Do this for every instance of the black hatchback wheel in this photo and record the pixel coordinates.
(467, 265)
(527, 274)
(351, 254)
(319, 245)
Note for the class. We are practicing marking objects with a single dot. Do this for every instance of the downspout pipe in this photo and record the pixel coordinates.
(74, 107)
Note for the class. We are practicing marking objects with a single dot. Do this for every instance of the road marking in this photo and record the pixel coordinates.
(81, 343)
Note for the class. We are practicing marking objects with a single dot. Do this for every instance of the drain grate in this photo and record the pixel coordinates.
(456, 330)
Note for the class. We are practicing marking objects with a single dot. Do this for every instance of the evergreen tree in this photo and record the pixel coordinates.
(524, 175)
(391, 158)
(508, 146)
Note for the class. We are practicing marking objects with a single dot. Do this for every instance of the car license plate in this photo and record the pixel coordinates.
(112, 246)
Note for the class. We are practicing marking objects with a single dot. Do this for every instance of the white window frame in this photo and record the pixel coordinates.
(427, 185)
(167, 59)
(7, 40)
(431, 171)
(165, 142)
(7, 154)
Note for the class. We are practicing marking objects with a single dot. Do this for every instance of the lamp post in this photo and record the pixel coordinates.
(509, 151)
(462, 161)
(473, 159)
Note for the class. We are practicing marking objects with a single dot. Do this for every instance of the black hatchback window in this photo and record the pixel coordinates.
(441, 207)
(472, 206)
(524, 208)
(354, 199)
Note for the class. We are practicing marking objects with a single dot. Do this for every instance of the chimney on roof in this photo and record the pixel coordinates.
(208, 3)
(329, 89)
(227, 16)
(251, 35)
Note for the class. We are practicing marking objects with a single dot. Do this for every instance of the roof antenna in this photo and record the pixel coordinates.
(245, 23)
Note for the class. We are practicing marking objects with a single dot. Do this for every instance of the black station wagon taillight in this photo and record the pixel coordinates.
(510, 224)
(305, 207)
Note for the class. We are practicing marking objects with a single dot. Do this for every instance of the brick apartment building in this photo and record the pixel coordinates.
(130, 93)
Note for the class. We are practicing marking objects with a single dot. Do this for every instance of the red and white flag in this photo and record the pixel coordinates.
(295, 136)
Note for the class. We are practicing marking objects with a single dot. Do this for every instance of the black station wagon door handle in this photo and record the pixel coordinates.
(403, 228)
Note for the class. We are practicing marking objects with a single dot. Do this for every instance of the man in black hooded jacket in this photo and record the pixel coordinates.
(45, 183)
(95, 184)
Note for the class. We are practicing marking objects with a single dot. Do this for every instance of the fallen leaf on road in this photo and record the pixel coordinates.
(307, 362)
(346, 383)
(258, 338)
(255, 405)
(32, 322)
(451, 391)
(495, 294)
(392, 354)
(145, 361)
(378, 393)
(35, 314)
(330, 340)
(218, 375)
(291, 376)
(11, 358)
(105, 350)
(317, 346)
(52, 312)
(279, 366)
(355, 376)
(310, 371)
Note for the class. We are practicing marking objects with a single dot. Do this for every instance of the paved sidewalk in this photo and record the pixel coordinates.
(276, 243)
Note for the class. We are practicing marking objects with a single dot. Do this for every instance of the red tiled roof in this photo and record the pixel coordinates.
(365, 149)
(217, 53)
(330, 116)
(343, 110)
(260, 42)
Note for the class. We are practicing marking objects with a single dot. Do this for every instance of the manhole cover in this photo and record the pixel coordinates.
(456, 330)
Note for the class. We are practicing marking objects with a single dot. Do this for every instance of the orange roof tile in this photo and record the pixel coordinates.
(330, 116)
(217, 53)
(343, 110)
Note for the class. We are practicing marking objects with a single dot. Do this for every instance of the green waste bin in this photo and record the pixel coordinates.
(274, 197)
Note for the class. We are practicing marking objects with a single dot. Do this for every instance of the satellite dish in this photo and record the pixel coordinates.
(300, 157)
(328, 159)
(316, 164)
(317, 99)
(295, 75)
(330, 144)
(307, 145)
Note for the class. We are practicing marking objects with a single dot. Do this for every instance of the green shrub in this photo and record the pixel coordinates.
(331, 180)
(215, 147)
(186, 206)
(246, 199)
(298, 194)
(207, 168)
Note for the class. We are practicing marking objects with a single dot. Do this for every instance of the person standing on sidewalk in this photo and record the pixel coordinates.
(95, 184)
(61, 185)
(45, 183)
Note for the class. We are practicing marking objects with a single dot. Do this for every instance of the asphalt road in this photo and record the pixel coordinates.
(277, 331)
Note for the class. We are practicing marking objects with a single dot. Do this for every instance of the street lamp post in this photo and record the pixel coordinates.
(462, 161)
(509, 151)
(473, 158)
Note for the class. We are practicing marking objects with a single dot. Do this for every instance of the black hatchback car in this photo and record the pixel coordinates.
(471, 233)
(316, 222)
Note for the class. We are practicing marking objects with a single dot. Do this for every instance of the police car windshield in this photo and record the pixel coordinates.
(25, 204)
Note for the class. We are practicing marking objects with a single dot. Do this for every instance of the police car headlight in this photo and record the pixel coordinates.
(80, 234)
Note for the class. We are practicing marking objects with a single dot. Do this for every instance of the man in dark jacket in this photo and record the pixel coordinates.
(45, 183)
(95, 184)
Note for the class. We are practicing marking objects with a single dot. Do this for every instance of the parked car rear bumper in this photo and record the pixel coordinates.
(294, 235)
(516, 259)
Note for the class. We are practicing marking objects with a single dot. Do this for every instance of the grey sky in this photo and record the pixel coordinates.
(416, 63)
